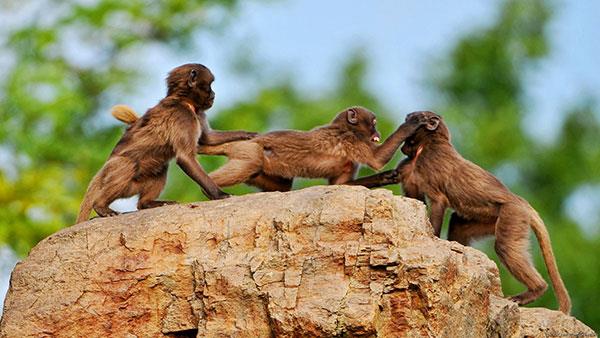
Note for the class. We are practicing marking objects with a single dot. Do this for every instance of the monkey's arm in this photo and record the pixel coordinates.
(214, 137)
(193, 169)
(388, 177)
(184, 143)
(383, 153)
(377, 180)
(211, 137)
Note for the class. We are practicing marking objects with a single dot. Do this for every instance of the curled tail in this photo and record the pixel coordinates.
(124, 113)
(564, 301)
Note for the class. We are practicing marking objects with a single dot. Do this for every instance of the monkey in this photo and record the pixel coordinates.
(271, 161)
(138, 163)
(482, 205)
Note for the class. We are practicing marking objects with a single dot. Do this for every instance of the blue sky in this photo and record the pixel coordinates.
(310, 39)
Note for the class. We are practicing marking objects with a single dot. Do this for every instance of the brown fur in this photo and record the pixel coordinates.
(138, 164)
(334, 151)
(482, 205)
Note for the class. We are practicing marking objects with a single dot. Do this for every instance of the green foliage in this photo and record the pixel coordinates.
(52, 104)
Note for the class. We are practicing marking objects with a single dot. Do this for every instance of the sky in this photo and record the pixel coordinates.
(309, 40)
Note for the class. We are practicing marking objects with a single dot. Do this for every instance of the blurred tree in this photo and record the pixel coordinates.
(53, 132)
(481, 86)
(51, 137)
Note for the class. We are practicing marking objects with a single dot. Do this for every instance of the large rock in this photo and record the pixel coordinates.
(323, 261)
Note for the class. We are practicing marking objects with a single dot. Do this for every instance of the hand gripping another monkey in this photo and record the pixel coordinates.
(271, 161)
(482, 205)
(138, 164)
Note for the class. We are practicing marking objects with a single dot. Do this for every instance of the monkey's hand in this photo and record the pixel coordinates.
(417, 118)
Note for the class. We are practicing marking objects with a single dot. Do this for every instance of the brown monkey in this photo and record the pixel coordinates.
(482, 205)
(171, 129)
(334, 151)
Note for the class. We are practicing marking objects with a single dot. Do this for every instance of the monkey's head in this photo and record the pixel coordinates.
(361, 122)
(432, 129)
(192, 81)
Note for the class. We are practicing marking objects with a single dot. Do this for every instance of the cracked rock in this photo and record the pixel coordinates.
(318, 262)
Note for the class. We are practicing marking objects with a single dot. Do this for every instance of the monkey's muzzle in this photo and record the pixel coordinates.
(376, 138)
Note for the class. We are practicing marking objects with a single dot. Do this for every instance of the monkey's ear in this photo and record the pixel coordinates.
(432, 123)
(192, 79)
(352, 116)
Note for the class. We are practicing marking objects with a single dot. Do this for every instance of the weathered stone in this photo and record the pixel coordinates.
(323, 261)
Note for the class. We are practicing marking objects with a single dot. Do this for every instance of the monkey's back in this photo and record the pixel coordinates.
(469, 189)
(312, 154)
(149, 141)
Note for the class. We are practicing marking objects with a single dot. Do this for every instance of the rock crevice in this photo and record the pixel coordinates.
(323, 261)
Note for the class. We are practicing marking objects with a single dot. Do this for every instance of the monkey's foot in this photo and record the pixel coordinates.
(155, 204)
(250, 135)
(106, 212)
(528, 296)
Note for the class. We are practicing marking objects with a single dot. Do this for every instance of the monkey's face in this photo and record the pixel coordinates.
(363, 123)
(200, 82)
(194, 81)
(432, 126)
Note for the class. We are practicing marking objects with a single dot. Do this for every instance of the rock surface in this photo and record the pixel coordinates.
(323, 261)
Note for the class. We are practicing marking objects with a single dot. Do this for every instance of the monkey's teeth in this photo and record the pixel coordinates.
(376, 139)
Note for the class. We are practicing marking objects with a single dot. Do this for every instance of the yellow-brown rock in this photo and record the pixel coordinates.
(324, 261)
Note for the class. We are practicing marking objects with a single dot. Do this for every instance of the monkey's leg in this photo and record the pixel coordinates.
(116, 181)
(271, 183)
(412, 190)
(235, 172)
(464, 231)
(512, 244)
(245, 161)
(150, 190)
(436, 215)
(347, 174)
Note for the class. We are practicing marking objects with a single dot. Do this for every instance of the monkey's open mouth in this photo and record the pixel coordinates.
(375, 138)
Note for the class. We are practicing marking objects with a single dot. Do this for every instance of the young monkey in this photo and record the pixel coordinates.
(482, 205)
(138, 164)
(271, 161)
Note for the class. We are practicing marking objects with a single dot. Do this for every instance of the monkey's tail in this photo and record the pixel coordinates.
(124, 113)
(564, 301)
(87, 203)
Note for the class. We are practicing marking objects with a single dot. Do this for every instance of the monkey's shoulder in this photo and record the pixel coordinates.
(482, 187)
(168, 117)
